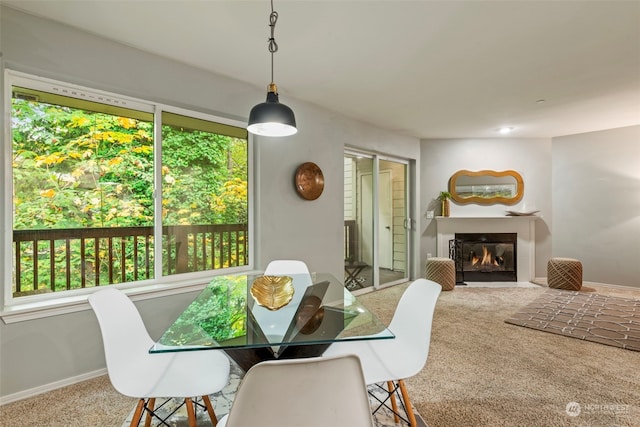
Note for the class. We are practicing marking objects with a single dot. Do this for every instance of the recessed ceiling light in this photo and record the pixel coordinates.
(505, 130)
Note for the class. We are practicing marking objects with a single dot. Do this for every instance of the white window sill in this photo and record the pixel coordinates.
(21, 312)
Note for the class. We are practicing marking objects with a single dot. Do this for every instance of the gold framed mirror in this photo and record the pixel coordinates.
(486, 187)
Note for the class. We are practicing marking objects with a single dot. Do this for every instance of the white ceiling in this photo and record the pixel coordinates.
(430, 69)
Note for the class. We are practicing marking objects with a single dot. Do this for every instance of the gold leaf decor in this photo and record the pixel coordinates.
(272, 292)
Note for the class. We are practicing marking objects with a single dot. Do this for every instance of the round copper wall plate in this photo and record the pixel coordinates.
(309, 181)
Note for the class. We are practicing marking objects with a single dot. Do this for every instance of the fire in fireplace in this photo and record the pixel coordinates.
(487, 257)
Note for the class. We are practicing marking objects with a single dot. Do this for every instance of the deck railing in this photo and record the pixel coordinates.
(64, 259)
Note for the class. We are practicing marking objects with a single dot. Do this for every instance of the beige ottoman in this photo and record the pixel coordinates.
(564, 273)
(442, 271)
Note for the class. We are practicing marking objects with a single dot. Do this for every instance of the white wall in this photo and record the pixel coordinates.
(39, 353)
(441, 158)
(596, 203)
(291, 227)
(586, 186)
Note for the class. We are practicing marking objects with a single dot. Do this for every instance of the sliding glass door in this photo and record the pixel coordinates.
(393, 219)
(358, 221)
(375, 214)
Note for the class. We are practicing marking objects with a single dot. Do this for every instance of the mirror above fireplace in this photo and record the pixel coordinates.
(486, 187)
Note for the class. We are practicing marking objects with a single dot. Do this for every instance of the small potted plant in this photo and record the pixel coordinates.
(444, 202)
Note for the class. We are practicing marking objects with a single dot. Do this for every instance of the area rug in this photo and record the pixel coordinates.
(592, 317)
(222, 403)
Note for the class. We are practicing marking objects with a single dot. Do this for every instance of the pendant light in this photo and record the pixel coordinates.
(271, 118)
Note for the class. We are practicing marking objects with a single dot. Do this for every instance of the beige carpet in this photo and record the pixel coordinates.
(484, 372)
(593, 317)
(176, 414)
(481, 372)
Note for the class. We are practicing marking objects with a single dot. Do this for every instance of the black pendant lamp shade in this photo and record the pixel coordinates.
(271, 118)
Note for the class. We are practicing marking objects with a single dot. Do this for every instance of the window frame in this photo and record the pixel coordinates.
(43, 305)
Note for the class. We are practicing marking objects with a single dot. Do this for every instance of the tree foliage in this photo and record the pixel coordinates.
(75, 168)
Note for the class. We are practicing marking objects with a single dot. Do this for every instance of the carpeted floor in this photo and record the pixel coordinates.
(481, 371)
(593, 317)
(223, 400)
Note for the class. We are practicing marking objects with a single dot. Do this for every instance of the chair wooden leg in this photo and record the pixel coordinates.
(137, 415)
(407, 404)
(394, 405)
(212, 413)
(151, 404)
(191, 413)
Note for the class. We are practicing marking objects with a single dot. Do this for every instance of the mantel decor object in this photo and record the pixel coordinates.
(444, 202)
(309, 181)
(516, 213)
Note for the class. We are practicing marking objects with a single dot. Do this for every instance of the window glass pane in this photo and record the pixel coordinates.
(204, 195)
(82, 193)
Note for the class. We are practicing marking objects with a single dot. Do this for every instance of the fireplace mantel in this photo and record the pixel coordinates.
(523, 226)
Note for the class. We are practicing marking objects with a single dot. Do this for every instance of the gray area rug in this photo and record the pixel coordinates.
(592, 317)
(222, 403)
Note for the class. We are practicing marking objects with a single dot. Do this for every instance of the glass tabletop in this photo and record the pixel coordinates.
(226, 315)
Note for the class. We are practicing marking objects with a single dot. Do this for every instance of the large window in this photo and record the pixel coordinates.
(204, 196)
(108, 190)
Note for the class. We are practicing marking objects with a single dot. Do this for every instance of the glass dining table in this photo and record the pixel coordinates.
(237, 314)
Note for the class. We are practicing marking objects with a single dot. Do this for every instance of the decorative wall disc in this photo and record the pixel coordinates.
(309, 181)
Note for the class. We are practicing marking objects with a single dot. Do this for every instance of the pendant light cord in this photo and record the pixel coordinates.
(273, 46)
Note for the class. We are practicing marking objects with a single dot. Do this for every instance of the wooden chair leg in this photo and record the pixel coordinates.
(407, 404)
(394, 405)
(137, 415)
(212, 413)
(191, 413)
(151, 404)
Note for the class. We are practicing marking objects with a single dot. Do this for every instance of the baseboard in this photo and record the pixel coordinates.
(543, 282)
(25, 394)
(609, 285)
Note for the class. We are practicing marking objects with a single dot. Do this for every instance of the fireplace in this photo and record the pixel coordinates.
(523, 226)
(486, 257)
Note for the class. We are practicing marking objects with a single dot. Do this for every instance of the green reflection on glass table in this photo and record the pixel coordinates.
(226, 316)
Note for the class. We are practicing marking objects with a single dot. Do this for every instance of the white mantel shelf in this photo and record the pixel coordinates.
(522, 225)
(487, 218)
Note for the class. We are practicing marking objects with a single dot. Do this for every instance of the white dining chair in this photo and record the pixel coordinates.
(311, 392)
(134, 372)
(391, 361)
(286, 266)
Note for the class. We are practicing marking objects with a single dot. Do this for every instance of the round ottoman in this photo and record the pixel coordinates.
(442, 271)
(564, 273)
